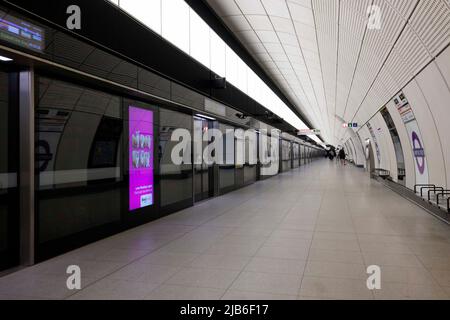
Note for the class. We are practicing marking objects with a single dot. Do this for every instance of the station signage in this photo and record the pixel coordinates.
(404, 108)
(415, 138)
(21, 33)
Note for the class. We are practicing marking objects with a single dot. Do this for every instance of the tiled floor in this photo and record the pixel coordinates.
(307, 234)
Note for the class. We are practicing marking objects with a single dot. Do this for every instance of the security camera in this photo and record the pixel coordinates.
(241, 116)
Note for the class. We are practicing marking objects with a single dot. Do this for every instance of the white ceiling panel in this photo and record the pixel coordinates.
(225, 8)
(282, 24)
(260, 22)
(276, 8)
(237, 23)
(301, 14)
(249, 6)
(328, 62)
(287, 39)
(267, 36)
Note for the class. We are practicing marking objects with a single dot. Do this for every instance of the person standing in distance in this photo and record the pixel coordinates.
(342, 156)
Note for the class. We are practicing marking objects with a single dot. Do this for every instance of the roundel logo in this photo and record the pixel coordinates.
(419, 152)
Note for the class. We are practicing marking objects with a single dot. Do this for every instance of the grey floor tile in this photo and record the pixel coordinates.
(175, 292)
(395, 291)
(249, 295)
(121, 255)
(113, 289)
(407, 275)
(335, 270)
(220, 261)
(267, 283)
(333, 288)
(39, 286)
(392, 259)
(172, 259)
(233, 249)
(271, 265)
(352, 257)
(204, 277)
(280, 252)
(304, 234)
(336, 244)
(144, 272)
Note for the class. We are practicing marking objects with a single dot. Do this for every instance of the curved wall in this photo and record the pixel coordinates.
(428, 95)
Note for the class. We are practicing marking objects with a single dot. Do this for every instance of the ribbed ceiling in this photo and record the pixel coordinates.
(326, 59)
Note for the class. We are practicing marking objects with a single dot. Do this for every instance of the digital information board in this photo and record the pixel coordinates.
(21, 32)
(140, 152)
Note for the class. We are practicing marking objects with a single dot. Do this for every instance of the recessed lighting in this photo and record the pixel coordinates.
(205, 117)
(2, 58)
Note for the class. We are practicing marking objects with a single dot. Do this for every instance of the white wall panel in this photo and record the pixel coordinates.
(437, 96)
(430, 136)
(443, 62)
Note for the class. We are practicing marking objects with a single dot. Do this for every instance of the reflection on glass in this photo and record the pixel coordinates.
(9, 228)
(78, 160)
(176, 180)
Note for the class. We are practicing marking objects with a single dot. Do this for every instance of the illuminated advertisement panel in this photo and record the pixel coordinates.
(140, 154)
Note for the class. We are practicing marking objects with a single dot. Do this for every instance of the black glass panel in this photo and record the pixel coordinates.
(9, 213)
(78, 159)
(227, 169)
(176, 180)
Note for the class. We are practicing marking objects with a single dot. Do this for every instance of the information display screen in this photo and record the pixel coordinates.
(140, 158)
(21, 32)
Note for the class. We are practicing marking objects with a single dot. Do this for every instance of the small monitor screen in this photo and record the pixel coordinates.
(21, 32)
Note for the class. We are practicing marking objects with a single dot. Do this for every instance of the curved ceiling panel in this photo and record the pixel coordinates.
(331, 60)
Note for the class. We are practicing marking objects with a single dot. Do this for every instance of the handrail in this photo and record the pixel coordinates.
(439, 191)
(422, 185)
(444, 192)
(435, 188)
(448, 205)
(429, 187)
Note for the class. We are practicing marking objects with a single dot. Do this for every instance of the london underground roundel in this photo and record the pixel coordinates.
(419, 152)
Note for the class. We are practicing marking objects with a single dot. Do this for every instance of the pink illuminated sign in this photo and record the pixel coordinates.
(140, 155)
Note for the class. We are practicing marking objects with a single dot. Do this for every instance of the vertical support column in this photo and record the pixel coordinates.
(26, 176)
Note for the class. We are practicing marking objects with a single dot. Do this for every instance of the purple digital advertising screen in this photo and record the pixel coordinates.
(140, 157)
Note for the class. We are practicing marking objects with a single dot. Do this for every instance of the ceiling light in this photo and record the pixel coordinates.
(2, 58)
(205, 117)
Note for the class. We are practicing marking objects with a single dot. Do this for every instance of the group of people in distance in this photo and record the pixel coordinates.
(341, 156)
